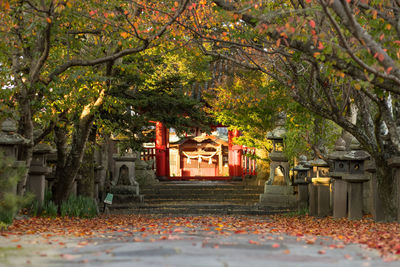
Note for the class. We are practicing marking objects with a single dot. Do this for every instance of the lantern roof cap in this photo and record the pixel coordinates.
(277, 134)
(8, 135)
(356, 155)
(302, 159)
(301, 167)
(349, 155)
(8, 126)
(318, 163)
(340, 144)
(355, 144)
(42, 148)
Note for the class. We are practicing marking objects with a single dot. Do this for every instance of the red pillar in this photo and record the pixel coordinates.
(162, 151)
(235, 156)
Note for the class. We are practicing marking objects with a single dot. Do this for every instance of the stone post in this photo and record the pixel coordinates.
(395, 164)
(37, 171)
(355, 195)
(97, 179)
(336, 170)
(51, 161)
(319, 189)
(302, 183)
(355, 179)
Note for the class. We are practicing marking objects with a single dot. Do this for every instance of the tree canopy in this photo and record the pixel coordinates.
(65, 64)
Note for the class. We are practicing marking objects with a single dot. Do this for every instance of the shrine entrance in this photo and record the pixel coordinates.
(201, 157)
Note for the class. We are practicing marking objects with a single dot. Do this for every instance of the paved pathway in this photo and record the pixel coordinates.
(186, 247)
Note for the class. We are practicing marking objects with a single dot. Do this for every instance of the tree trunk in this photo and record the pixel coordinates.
(67, 174)
(386, 190)
(86, 182)
(25, 128)
(80, 136)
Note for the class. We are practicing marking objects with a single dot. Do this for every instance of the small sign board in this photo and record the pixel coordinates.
(109, 199)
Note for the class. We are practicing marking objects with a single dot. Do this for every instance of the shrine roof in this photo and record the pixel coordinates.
(200, 139)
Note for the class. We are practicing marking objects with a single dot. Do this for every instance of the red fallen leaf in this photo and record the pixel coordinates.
(310, 241)
(19, 246)
(240, 232)
(312, 23)
(178, 230)
(276, 245)
(286, 251)
(142, 229)
(216, 246)
(321, 251)
(254, 242)
(381, 57)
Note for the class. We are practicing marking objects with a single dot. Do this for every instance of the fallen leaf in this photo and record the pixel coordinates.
(276, 245)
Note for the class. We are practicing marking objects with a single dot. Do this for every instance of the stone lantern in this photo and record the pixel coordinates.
(300, 174)
(278, 191)
(277, 156)
(319, 188)
(51, 160)
(145, 174)
(9, 143)
(125, 188)
(348, 171)
(10, 140)
(36, 182)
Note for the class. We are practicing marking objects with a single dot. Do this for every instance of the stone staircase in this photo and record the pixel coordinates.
(197, 198)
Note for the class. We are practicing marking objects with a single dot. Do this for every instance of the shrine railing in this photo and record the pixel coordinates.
(249, 161)
(149, 153)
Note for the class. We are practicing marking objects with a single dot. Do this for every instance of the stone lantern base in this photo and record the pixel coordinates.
(278, 196)
(320, 197)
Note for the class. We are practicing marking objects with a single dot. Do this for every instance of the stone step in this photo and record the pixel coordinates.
(127, 198)
(180, 195)
(195, 209)
(227, 200)
(200, 191)
(200, 186)
(230, 201)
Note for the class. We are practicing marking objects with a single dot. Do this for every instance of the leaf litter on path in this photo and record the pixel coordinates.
(384, 237)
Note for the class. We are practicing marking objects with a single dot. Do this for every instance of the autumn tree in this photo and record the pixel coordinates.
(46, 43)
(337, 58)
